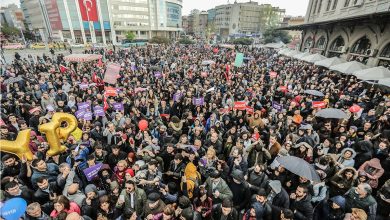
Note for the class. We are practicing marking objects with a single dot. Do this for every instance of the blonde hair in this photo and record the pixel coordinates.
(122, 162)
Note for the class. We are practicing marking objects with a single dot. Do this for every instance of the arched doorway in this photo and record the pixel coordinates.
(320, 45)
(308, 44)
(360, 50)
(384, 57)
(337, 47)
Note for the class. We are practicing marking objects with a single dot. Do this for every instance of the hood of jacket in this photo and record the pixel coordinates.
(342, 171)
(348, 149)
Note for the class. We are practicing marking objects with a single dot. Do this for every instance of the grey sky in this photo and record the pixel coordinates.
(293, 7)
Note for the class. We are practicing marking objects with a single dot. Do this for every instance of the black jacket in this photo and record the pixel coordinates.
(217, 213)
(302, 209)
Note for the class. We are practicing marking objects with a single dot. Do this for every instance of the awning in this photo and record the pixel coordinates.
(329, 62)
(82, 57)
(349, 67)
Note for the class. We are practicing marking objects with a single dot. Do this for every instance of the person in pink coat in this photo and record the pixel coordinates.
(62, 204)
(373, 170)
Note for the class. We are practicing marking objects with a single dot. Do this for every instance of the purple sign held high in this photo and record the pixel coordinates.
(93, 171)
(198, 101)
(177, 96)
(118, 106)
(98, 111)
(84, 105)
(157, 74)
(88, 116)
(80, 113)
(277, 106)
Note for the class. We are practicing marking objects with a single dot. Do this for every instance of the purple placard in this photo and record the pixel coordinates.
(93, 171)
(98, 111)
(133, 67)
(80, 113)
(157, 74)
(277, 106)
(198, 101)
(84, 105)
(177, 96)
(88, 116)
(118, 106)
(84, 85)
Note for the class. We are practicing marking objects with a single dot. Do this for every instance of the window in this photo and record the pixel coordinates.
(361, 46)
(321, 43)
(328, 5)
(334, 4)
(319, 6)
(386, 51)
(308, 42)
(337, 44)
(346, 4)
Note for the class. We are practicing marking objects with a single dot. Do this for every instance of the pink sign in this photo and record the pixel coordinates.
(111, 73)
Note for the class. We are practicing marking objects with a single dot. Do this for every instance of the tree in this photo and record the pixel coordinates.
(130, 36)
(271, 35)
(243, 41)
(159, 40)
(185, 41)
(9, 31)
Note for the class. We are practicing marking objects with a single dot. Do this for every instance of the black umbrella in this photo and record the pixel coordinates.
(314, 92)
(299, 167)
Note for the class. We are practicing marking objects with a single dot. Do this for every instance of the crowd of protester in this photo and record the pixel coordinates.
(205, 161)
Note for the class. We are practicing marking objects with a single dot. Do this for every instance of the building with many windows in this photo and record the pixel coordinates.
(352, 29)
(245, 19)
(61, 20)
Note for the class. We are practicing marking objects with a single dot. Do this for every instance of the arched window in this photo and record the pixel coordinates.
(361, 46)
(337, 44)
(308, 42)
(321, 43)
(386, 51)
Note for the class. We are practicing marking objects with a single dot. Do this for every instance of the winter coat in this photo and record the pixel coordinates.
(158, 209)
(217, 213)
(368, 203)
(374, 171)
(346, 162)
(241, 194)
(257, 180)
(51, 173)
(139, 201)
(339, 178)
(302, 209)
(222, 187)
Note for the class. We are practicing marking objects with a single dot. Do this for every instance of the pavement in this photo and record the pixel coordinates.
(9, 55)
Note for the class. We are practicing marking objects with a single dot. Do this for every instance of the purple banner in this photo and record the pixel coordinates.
(177, 96)
(133, 67)
(157, 74)
(84, 105)
(277, 106)
(93, 171)
(198, 101)
(80, 113)
(118, 106)
(98, 111)
(88, 116)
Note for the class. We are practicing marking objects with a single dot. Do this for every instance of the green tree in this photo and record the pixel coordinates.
(9, 31)
(185, 41)
(159, 40)
(271, 35)
(130, 36)
(242, 41)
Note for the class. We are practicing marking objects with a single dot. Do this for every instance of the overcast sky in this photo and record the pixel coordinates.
(293, 7)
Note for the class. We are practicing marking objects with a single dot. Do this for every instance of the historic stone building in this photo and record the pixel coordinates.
(350, 29)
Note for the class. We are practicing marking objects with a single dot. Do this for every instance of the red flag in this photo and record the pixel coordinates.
(105, 106)
(63, 69)
(94, 77)
(249, 110)
(318, 104)
(100, 63)
(240, 105)
(88, 9)
(227, 73)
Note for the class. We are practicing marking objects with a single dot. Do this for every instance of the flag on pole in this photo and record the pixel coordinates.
(100, 63)
(88, 10)
(63, 69)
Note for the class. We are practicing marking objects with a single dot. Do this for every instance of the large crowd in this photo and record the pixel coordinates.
(203, 159)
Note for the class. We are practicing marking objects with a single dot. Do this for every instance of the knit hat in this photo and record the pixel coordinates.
(91, 188)
(153, 197)
(354, 128)
(339, 200)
